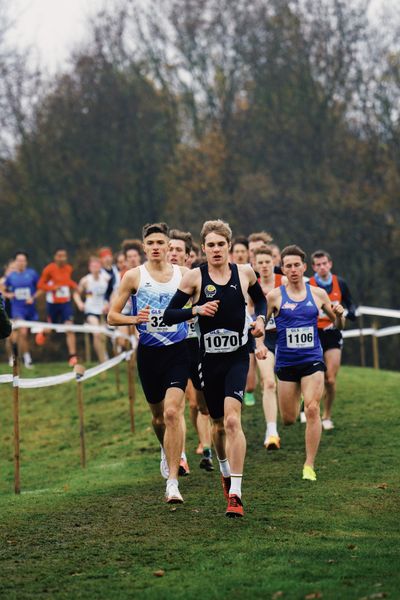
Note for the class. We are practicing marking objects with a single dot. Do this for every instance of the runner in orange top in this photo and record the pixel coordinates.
(331, 338)
(264, 265)
(56, 281)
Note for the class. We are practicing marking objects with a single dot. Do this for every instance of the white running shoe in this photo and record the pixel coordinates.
(172, 493)
(327, 424)
(164, 468)
(303, 418)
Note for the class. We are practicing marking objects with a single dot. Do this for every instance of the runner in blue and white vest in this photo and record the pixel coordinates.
(162, 356)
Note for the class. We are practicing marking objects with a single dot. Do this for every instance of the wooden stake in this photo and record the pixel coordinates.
(79, 370)
(362, 342)
(116, 370)
(375, 347)
(88, 350)
(17, 486)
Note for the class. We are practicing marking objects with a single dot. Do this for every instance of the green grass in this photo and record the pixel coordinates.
(104, 531)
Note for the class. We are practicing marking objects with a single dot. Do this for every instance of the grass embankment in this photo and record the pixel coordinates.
(103, 532)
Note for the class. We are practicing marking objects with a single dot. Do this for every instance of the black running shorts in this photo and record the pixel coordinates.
(330, 338)
(194, 358)
(296, 373)
(223, 375)
(270, 340)
(162, 367)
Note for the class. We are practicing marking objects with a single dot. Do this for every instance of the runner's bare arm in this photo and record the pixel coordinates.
(335, 313)
(257, 296)
(128, 286)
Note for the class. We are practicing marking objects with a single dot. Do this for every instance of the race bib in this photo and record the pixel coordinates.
(156, 322)
(22, 293)
(191, 330)
(221, 340)
(300, 337)
(271, 323)
(62, 292)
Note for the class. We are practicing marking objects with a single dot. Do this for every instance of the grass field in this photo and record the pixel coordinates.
(104, 532)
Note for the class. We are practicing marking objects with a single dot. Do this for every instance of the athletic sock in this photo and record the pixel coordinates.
(183, 456)
(236, 484)
(272, 430)
(207, 453)
(172, 481)
(224, 467)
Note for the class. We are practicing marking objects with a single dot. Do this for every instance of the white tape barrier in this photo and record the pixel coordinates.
(372, 311)
(39, 382)
(38, 326)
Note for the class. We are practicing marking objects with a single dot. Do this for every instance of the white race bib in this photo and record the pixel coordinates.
(271, 323)
(221, 340)
(62, 292)
(156, 322)
(22, 293)
(191, 330)
(300, 337)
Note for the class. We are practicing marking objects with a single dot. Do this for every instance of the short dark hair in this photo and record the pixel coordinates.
(262, 250)
(240, 240)
(293, 251)
(132, 245)
(184, 236)
(18, 252)
(60, 249)
(150, 228)
(320, 254)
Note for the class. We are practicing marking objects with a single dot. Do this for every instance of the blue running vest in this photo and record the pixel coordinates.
(298, 342)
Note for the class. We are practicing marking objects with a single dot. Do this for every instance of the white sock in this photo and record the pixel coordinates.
(27, 357)
(183, 455)
(162, 452)
(172, 481)
(271, 429)
(224, 467)
(236, 485)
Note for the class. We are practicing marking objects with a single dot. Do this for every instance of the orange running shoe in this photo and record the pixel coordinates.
(40, 338)
(235, 507)
(273, 442)
(183, 468)
(73, 360)
(226, 485)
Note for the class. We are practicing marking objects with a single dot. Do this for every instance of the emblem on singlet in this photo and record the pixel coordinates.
(210, 291)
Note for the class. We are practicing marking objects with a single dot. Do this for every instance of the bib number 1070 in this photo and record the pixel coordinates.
(300, 337)
(215, 342)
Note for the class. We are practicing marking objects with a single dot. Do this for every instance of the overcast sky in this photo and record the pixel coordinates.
(53, 27)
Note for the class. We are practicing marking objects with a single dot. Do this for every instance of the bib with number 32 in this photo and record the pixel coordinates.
(156, 322)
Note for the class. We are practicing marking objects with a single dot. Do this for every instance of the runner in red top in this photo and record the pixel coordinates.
(264, 265)
(59, 286)
(331, 338)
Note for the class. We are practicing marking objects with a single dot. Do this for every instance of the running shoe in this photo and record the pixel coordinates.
(303, 418)
(172, 493)
(164, 469)
(249, 399)
(73, 360)
(40, 338)
(206, 463)
(226, 485)
(183, 468)
(272, 442)
(327, 424)
(235, 507)
(309, 473)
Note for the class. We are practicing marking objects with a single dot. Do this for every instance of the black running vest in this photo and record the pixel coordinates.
(227, 331)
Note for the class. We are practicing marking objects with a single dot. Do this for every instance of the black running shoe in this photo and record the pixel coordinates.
(206, 463)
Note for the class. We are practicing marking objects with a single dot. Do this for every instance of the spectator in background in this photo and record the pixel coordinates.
(5, 323)
(9, 268)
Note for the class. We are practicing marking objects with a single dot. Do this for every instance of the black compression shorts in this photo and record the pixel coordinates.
(296, 373)
(223, 375)
(330, 338)
(162, 367)
(194, 357)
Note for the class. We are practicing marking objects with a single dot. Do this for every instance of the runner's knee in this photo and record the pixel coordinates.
(232, 424)
(171, 415)
(157, 420)
(270, 385)
(312, 410)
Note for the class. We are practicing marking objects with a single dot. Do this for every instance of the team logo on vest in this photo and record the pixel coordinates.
(210, 291)
(289, 305)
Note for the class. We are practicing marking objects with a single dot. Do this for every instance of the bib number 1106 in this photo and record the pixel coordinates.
(300, 337)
